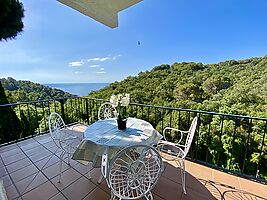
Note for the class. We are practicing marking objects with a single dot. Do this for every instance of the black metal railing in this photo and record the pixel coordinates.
(235, 143)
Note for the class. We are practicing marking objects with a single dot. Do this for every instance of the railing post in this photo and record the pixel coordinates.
(62, 102)
(87, 111)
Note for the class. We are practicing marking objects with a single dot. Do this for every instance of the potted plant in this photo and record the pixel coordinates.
(120, 102)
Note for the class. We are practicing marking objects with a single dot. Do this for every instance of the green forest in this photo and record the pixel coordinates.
(234, 86)
(21, 91)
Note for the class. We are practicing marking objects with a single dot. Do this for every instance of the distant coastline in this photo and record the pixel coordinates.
(80, 89)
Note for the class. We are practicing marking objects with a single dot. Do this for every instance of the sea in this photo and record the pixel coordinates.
(80, 89)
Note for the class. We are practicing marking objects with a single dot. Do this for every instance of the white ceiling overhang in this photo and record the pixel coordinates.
(104, 11)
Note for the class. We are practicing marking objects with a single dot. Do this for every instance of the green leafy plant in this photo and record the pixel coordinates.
(120, 102)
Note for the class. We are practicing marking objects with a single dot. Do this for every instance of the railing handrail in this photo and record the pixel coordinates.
(144, 105)
(38, 101)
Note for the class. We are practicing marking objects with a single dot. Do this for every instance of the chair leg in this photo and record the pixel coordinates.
(90, 167)
(183, 175)
(113, 197)
(60, 165)
(69, 159)
(100, 178)
(149, 196)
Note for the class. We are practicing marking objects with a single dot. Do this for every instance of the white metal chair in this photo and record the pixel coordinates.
(106, 111)
(134, 172)
(176, 151)
(64, 138)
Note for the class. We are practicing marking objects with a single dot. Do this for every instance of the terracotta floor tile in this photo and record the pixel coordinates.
(215, 189)
(173, 173)
(199, 185)
(168, 189)
(1, 162)
(28, 144)
(10, 159)
(38, 180)
(11, 192)
(8, 148)
(257, 189)
(23, 173)
(6, 180)
(240, 195)
(67, 177)
(44, 163)
(43, 192)
(30, 182)
(40, 155)
(226, 179)
(18, 165)
(34, 150)
(95, 174)
(42, 139)
(97, 194)
(3, 171)
(83, 169)
(53, 170)
(200, 171)
(51, 160)
(11, 152)
(50, 144)
(58, 196)
(22, 184)
(79, 189)
(156, 197)
(194, 195)
(55, 150)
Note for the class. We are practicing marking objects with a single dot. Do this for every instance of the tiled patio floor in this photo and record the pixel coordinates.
(29, 170)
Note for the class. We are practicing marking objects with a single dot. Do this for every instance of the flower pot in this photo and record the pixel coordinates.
(121, 124)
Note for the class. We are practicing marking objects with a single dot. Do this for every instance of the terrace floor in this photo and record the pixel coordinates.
(29, 170)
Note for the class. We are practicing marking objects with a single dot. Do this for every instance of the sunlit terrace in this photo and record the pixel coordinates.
(29, 170)
(29, 167)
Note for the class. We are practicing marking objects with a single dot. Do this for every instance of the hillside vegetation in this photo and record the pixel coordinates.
(234, 86)
(18, 91)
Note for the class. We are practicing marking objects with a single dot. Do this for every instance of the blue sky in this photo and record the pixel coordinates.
(60, 45)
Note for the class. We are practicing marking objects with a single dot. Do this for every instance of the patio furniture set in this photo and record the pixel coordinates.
(131, 160)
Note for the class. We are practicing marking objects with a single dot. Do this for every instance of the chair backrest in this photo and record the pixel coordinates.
(134, 171)
(106, 111)
(56, 124)
(190, 135)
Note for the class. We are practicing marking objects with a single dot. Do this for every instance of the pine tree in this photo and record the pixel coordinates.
(10, 126)
(11, 14)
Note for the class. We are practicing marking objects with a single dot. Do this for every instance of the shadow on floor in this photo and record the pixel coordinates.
(197, 188)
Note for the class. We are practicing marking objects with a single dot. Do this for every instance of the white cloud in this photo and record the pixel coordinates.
(115, 57)
(102, 68)
(99, 59)
(94, 66)
(101, 72)
(76, 63)
(78, 72)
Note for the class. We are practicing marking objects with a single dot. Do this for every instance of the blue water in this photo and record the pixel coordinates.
(81, 89)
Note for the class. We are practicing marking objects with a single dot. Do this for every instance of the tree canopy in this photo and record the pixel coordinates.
(11, 14)
(235, 86)
(18, 91)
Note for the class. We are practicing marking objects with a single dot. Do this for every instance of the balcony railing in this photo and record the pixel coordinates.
(233, 143)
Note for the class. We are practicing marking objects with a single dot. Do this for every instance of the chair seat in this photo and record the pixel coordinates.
(170, 151)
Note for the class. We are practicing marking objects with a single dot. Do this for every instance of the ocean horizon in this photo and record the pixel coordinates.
(80, 89)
